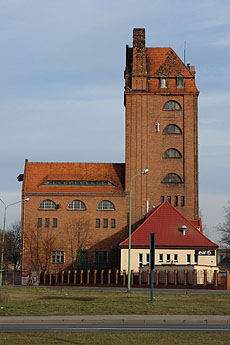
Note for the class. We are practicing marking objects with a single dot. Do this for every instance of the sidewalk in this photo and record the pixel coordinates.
(115, 318)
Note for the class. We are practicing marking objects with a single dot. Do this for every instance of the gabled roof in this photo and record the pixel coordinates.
(37, 177)
(166, 222)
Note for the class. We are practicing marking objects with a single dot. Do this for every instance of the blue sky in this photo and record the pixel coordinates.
(61, 84)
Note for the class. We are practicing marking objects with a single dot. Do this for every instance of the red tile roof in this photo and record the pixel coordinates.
(166, 222)
(36, 173)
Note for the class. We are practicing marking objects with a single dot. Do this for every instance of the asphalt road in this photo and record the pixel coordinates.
(116, 327)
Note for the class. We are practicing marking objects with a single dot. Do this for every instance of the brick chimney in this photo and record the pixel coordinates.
(139, 60)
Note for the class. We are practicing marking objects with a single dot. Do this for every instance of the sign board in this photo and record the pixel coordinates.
(205, 252)
(25, 277)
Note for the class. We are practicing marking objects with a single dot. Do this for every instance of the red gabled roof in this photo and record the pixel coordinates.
(37, 173)
(166, 222)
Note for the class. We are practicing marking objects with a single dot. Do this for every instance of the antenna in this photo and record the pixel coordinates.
(184, 52)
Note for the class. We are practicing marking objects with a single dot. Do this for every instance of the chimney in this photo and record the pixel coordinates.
(139, 52)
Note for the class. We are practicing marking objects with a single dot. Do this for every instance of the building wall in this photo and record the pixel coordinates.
(65, 236)
(182, 258)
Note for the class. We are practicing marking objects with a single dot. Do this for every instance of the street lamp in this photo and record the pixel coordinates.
(145, 171)
(3, 233)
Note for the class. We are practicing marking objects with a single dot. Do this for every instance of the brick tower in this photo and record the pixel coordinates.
(161, 129)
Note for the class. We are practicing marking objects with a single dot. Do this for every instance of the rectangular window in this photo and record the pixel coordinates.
(105, 223)
(162, 199)
(98, 224)
(196, 258)
(57, 257)
(160, 257)
(54, 222)
(182, 200)
(188, 259)
(147, 259)
(168, 257)
(140, 260)
(169, 199)
(113, 223)
(39, 222)
(175, 258)
(101, 257)
(175, 201)
(47, 222)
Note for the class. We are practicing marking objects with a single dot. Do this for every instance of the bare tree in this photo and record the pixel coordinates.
(77, 233)
(39, 243)
(11, 246)
(224, 228)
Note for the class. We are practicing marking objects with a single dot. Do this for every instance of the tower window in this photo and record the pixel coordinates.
(163, 81)
(180, 81)
(169, 199)
(172, 178)
(162, 199)
(106, 205)
(172, 105)
(172, 153)
(172, 129)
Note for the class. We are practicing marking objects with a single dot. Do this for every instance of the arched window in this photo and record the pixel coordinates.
(106, 205)
(171, 105)
(172, 129)
(172, 153)
(180, 81)
(163, 81)
(76, 205)
(47, 205)
(172, 178)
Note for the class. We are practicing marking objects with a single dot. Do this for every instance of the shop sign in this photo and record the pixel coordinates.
(205, 252)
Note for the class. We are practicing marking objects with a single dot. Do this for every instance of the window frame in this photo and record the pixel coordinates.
(44, 205)
(163, 81)
(105, 205)
(54, 223)
(175, 257)
(113, 223)
(82, 206)
(47, 222)
(39, 224)
(101, 254)
(172, 105)
(98, 223)
(168, 257)
(161, 257)
(167, 132)
(180, 78)
(169, 176)
(188, 261)
(168, 154)
(60, 254)
(105, 223)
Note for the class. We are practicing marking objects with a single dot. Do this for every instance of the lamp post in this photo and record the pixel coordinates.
(145, 171)
(3, 233)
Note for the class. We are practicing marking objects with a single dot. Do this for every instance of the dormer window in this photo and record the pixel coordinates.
(163, 81)
(180, 81)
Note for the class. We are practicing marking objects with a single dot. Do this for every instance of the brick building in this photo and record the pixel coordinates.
(78, 212)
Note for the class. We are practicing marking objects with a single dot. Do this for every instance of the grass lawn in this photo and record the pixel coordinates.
(45, 301)
(132, 338)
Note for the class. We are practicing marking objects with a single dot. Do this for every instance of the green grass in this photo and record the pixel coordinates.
(131, 338)
(45, 301)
